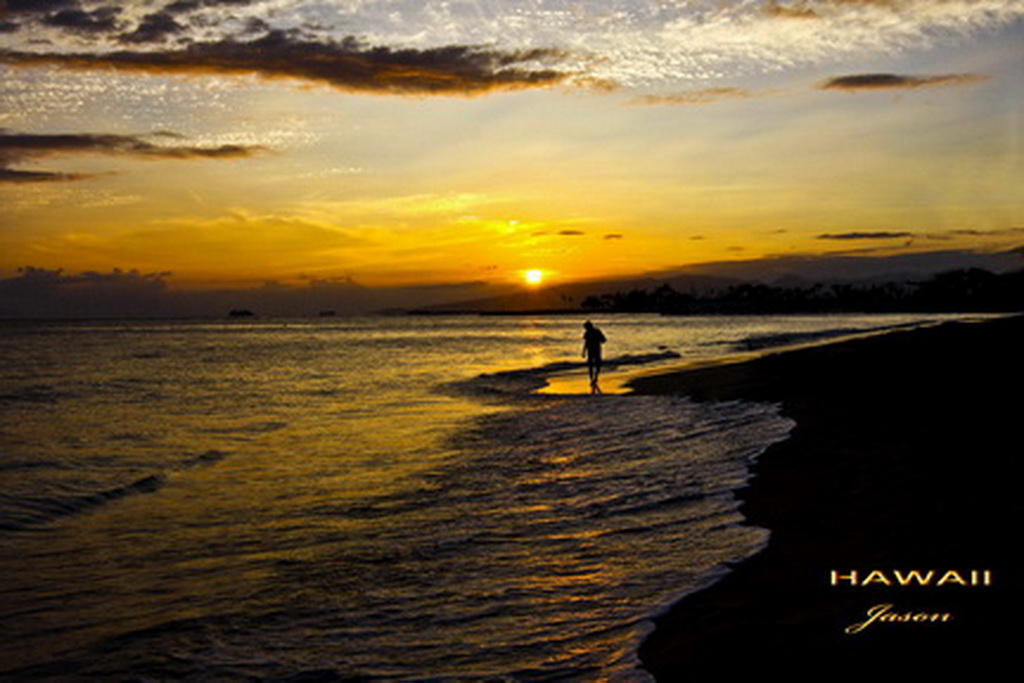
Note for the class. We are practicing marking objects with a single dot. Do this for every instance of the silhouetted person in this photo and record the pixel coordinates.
(592, 340)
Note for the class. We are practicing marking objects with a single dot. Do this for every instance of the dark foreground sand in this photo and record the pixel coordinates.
(906, 455)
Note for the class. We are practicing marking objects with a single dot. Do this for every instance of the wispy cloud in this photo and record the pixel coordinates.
(882, 81)
(19, 148)
(704, 96)
(13, 175)
(864, 235)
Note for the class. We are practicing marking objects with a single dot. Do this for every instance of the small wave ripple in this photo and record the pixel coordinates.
(20, 512)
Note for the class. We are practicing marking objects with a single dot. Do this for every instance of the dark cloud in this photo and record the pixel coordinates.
(186, 6)
(560, 233)
(43, 292)
(39, 6)
(17, 148)
(77, 20)
(19, 145)
(154, 28)
(897, 82)
(614, 236)
(67, 15)
(348, 64)
(255, 26)
(792, 10)
(158, 26)
(76, 16)
(864, 235)
(10, 175)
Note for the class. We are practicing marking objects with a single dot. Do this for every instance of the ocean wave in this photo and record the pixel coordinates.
(580, 519)
(35, 393)
(26, 513)
(34, 512)
(766, 341)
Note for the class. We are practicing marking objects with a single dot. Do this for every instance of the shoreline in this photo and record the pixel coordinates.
(619, 380)
(904, 457)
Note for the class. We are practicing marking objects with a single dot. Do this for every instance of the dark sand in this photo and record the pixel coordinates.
(906, 455)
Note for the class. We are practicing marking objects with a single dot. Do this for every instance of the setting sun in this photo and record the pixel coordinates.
(533, 277)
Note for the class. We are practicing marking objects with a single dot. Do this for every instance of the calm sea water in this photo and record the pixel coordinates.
(374, 498)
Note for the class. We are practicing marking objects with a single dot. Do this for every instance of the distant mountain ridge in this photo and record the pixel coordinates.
(707, 279)
(44, 293)
(570, 296)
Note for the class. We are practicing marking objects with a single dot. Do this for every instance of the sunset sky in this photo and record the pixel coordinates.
(228, 143)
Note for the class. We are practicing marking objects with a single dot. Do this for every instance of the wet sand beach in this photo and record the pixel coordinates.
(906, 456)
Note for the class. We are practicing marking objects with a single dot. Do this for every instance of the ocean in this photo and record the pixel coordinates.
(400, 498)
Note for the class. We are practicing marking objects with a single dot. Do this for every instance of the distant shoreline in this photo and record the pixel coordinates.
(706, 314)
(256, 316)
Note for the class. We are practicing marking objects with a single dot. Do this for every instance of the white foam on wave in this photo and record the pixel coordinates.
(517, 383)
(631, 496)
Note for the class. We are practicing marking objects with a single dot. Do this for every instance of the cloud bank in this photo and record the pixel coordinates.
(880, 81)
(349, 64)
(20, 148)
(864, 235)
(703, 96)
(34, 292)
(478, 46)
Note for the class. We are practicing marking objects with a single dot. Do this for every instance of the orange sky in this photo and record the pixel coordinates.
(600, 144)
